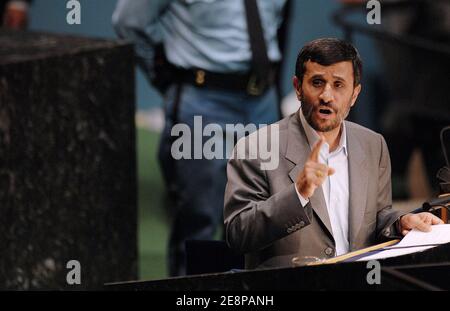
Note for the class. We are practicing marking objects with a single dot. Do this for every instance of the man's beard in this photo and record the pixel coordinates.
(309, 111)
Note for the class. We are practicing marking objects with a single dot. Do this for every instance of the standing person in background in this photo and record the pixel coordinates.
(14, 14)
(211, 58)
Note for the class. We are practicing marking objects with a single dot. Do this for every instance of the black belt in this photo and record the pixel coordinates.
(241, 82)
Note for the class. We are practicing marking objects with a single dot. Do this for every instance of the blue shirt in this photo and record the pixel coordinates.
(207, 34)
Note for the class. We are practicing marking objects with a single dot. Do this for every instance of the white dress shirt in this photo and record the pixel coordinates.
(335, 187)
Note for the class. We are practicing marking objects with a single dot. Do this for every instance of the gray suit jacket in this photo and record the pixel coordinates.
(263, 215)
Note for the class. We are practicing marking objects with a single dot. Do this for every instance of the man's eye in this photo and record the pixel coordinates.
(339, 84)
(317, 82)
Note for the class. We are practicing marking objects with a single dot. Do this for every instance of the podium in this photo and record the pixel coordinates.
(427, 270)
(67, 161)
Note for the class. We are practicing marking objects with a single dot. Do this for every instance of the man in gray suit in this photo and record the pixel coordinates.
(331, 190)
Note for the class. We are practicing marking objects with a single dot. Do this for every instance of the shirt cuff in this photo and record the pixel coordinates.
(303, 201)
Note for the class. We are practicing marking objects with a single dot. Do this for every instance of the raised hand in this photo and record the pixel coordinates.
(314, 173)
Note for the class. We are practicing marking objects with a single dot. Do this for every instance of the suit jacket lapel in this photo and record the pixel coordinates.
(297, 152)
(358, 182)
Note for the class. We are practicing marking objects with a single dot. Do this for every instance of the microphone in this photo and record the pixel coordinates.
(443, 176)
(443, 201)
(444, 173)
(444, 149)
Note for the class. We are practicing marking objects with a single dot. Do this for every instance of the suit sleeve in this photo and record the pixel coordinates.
(387, 216)
(253, 217)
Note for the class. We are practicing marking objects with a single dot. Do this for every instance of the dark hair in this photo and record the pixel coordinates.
(326, 52)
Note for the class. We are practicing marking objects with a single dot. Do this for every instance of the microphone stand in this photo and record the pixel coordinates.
(442, 203)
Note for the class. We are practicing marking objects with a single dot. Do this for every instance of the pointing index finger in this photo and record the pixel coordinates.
(314, 155)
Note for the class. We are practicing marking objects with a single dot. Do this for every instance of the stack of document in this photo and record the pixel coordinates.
(414, 241)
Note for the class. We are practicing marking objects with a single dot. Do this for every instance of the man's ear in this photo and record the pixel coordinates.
(356, 92)
(297, 86)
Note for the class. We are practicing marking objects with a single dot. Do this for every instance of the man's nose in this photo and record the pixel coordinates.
(327, 94)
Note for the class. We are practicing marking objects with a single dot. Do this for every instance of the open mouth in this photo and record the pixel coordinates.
(326, 111)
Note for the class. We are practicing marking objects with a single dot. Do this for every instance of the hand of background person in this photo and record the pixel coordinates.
(16, 15)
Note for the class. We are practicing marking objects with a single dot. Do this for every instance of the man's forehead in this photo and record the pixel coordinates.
(342, 70)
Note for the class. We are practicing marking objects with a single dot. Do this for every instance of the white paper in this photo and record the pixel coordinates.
(416, 241)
